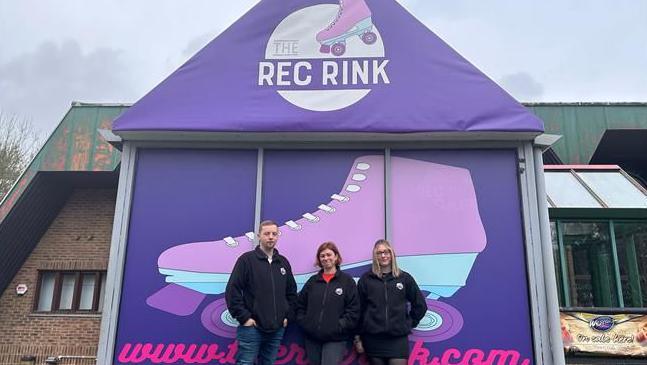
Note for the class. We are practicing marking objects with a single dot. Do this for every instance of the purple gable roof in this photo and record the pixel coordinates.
(270, 72)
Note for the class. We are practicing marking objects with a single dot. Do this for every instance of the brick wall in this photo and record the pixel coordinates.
(78, 239)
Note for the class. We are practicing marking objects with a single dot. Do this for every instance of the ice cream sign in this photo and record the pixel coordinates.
(325, 57)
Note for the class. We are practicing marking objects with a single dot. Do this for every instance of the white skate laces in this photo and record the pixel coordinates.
(324, 208)
(231, 241)
(339, 198)
(341, 10)
(353, 188)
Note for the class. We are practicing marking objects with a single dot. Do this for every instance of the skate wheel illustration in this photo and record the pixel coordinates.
(217, 320)
(324, 48)
(369, 37)
(441, 322)
(338, 49)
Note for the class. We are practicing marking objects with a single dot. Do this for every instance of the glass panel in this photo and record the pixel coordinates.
(88, 282)
(614, 189)
(46, 294)
(556, 259)
(631, 240)
(565, 191)
(589, 260)
(102, 291)
(67, 291)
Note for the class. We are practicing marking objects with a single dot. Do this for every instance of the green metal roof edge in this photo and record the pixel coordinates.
(584, 103)
(598, 213)
(77, 138)
(582, 125)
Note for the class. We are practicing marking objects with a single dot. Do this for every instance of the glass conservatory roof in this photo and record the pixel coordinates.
(592, 186)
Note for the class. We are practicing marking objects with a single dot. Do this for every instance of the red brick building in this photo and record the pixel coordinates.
(55, 230)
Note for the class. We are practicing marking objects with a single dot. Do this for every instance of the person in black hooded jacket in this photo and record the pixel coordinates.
(328, 309)
(386, 319)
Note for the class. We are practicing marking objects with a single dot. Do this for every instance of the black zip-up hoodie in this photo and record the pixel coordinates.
(262, 291)
(328, 311)
(383, 303)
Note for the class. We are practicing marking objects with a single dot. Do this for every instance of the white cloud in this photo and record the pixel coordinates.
(522, 86)
(43, 83)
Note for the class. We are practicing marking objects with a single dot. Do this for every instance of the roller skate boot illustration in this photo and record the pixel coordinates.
(438, 233)
(353, 218)
(436, 230)
(352, 19)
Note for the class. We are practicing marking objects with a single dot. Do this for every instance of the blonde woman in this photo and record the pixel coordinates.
(386, 319)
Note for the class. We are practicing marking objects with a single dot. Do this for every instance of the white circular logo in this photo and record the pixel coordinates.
(282, 271)
(399, 286)
(325, 57)
(339, 291)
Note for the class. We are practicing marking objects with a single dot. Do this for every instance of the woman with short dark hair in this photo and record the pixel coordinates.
(328, 308)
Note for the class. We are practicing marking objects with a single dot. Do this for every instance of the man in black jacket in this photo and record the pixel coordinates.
(261, 293)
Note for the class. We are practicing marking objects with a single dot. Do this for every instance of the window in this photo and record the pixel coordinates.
(601, 263)
(631, 240)
(556, 258)
(70, 291)
(589, 264)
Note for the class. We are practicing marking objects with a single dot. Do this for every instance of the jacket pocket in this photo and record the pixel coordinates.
(341, 326)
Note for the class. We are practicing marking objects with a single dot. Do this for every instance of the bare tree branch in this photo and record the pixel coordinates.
(19, 143)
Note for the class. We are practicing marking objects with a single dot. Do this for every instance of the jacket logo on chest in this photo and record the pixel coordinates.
(282, 271)
(339, 291)
(399, 286)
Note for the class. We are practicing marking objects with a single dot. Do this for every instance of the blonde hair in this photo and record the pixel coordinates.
(376, 265)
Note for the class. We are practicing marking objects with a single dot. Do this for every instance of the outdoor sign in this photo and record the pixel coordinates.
(21, 289)
(328, 66)
(610, 334)
(455, 223)
(454, 216)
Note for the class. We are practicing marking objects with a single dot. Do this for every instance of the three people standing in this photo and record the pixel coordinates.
(383, 308)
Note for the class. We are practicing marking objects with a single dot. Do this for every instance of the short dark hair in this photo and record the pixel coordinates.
(328, 246)
(266, 223)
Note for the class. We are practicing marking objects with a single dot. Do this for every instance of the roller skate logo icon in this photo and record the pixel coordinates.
(325, 57)
(437, 199)
(352, 19)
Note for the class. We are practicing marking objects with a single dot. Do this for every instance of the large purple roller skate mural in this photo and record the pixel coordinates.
(425, 195)
(451, 225)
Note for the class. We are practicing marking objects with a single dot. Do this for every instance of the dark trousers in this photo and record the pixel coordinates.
(325, 353)
(253, 343)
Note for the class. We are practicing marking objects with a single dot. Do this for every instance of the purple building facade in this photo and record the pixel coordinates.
(347, 122)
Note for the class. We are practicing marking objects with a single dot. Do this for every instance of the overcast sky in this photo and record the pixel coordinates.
(53, 52)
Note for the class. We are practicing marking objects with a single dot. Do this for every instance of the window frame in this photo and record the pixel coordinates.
(76, 294)
(562, 265)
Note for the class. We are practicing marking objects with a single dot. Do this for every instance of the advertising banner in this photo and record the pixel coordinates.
(453, 217)
(328, 66)
(611, 334)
